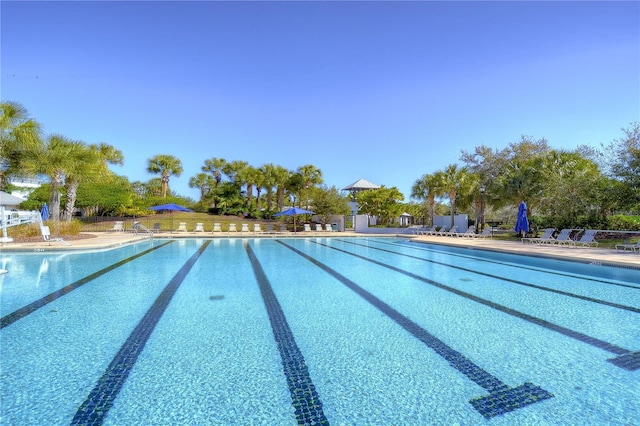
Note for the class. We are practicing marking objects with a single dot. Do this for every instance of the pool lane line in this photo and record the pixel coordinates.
(95, 408)
(33, 306)
(511, 280)
(305, 398)
(501, 398)
(529, 268)
(629, 360)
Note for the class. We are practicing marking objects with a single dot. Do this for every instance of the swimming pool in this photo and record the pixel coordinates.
(341, 331)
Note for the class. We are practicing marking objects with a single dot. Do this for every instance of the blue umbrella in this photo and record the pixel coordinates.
(293, 211)
(522, 223)
(44, 212)
(171, 208)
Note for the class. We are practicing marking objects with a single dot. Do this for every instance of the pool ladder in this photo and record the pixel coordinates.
(138, 226)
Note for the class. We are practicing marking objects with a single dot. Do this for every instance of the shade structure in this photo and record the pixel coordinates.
(44, 212)
(293, 211)
(522, 222)
(171, 208)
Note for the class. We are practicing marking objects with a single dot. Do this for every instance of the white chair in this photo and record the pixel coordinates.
(319, 227)
(46, 235)
(199, 227)
(118, 227)
(257, 228)
(306, 227)
(232, 228)
(245, 228)
(182, 227)
(216, 228)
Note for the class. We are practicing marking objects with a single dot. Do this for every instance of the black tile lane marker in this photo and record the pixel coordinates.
(530, 268)
(305, 399)
(100, 400)
(501, 398)
(26, 310)
(629, 361)
(501, 278)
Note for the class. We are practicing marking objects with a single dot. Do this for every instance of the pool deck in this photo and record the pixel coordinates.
(105, 240)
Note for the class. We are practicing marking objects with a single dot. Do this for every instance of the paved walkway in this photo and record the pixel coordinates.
(102, 240)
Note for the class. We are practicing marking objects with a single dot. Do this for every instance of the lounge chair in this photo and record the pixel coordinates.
(547, 237)
(156, 227)
(564, 237)
(117, 227)
(245, 228)
(629, 247)
(182, 227)
(257, 228)
(46, 235)
(319, 227)
(587, 239)
(306, 227)
(269, 229)
(199, 227)
(328, 228)
(486, 232)
(471, 230)
(428, 231)
(444, 230)
(283, 228)
(232, 228)
(216, 228)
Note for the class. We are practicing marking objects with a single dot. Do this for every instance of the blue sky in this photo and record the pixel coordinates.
(385, 91)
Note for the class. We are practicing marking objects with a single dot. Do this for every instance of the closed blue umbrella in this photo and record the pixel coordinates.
(293, 211)
(44, 212)
(522, 222)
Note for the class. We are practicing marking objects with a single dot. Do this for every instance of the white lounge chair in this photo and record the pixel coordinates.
(471, 230)
(182, 227)
(444, 230)
(328, 227)
(216, 228)
(306, 227)
(118, 227)
(629, 247)
(547, 237)
(257, 228)
(46, 235)
(232, 228)
(486, 232)
(319, 227)
(245, 228)
(199, 227)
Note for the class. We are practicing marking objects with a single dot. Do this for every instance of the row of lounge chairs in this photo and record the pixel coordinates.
(257, 228)
(564, 238)
(453, 232)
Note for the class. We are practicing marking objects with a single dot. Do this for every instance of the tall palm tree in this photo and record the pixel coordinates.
(215, 166)
(455, 180)
(203, 182)
(269, 174)
(427, 188)
(88, 165)
(18, 134)
(54, 158)
(165, 166)
(281, 177)
(311, 176)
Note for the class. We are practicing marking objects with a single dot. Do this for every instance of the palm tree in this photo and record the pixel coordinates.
(54, 158)
(269, 174)
(88, 164)
(311, 175)
(428, 187)
(203, 182)
(165, 165)
(18, 134)
(215, 166)
(455, 180)
(281, 177)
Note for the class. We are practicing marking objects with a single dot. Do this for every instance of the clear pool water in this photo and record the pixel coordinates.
(340, 331)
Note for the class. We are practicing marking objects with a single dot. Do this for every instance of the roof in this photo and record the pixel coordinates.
(360, 184)
(7, 199)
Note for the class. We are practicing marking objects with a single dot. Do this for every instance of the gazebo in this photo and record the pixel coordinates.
(359, 185)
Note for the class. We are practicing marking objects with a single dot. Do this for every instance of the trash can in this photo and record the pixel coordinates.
(334, 227)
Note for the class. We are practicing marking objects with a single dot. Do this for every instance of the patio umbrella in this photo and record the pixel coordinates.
(522, 223)
(44, 212)
(293, 211)
(171, 208)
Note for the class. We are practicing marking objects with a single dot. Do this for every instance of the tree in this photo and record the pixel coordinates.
(281, 178)
(215, 166)
(165, 165)
(204, 183)
(87, 165)
(54, 158)
(328, 202)
(311, 176)
(19, 133)
(427, 188)
(383, 203)
(455, 181)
